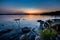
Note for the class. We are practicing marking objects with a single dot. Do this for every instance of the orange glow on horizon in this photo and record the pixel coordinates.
(27, 10)
(30, 10)
(33, 11)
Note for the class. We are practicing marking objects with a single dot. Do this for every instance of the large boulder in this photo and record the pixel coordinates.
(25, 30)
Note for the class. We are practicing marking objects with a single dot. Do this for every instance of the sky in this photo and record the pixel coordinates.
(30, 5)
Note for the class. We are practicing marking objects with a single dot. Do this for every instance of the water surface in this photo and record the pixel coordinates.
(25, 20)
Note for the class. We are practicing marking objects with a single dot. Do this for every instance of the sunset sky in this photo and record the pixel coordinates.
(30, 6)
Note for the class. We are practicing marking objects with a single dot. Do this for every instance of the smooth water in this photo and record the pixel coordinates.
(9, 22)
(25, 20)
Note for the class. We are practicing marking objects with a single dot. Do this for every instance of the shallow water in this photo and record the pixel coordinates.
(26, 20)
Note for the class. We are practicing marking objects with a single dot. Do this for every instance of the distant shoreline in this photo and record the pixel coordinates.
(31, 14)
(56, 13)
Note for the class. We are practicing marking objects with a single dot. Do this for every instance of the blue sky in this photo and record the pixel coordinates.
(36, 4)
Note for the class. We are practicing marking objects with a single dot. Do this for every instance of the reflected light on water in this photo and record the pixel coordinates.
(31, 17)
(27, 17)
(36, 17)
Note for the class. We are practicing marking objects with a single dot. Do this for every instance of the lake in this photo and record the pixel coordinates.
(25, 20)
(9, 22)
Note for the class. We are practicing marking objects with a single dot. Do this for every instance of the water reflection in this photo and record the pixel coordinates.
(27, 17)
(26, 20)
(23, 21)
